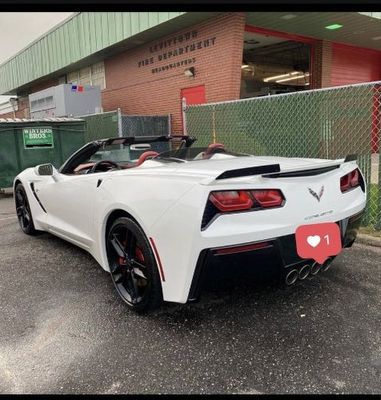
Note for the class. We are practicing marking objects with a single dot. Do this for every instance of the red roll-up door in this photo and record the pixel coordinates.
(352, 65)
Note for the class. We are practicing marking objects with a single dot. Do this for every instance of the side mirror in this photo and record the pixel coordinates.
(45, 170)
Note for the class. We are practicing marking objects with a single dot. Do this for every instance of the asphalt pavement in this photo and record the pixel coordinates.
(64, 330)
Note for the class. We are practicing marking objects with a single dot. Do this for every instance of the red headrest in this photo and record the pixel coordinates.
(145, 155)
(213, 147)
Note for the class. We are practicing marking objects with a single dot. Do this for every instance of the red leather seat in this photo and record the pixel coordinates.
(145, 155)
(212, 149)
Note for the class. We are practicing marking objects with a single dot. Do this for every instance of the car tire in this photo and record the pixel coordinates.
(131, 258)
(24, 214)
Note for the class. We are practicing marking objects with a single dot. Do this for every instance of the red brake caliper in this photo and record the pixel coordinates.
(139, 254)
(122, 260)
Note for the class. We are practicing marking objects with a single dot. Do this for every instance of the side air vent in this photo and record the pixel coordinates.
(35, 195)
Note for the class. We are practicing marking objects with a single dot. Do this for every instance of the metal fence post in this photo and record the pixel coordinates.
(120, 125)
(376, 147)
(184, 106)
(378, 213)
(169, 125)
(214, 124)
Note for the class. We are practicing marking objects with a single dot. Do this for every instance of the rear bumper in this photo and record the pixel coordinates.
(281, 251)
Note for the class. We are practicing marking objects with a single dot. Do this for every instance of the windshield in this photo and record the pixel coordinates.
(129, 152)
(121, 153)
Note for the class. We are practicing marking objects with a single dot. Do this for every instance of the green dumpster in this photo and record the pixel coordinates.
(26, 143)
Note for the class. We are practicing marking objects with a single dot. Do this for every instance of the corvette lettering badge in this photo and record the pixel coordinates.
(317, 196)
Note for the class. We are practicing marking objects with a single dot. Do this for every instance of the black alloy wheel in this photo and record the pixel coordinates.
(132, 266)
(23, 212)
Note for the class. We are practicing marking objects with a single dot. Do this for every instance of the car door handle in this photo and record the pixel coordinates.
(99, 182)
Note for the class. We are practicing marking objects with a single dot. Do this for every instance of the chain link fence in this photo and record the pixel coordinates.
(324, 123)
(113, 124)
(101, 125)
(145, 125)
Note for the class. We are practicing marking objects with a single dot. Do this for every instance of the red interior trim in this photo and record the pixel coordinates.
(285, 35)
(158, 259)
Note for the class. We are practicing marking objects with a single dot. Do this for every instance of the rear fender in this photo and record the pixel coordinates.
(145, 201)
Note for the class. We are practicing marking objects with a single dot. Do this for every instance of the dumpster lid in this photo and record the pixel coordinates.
(17, 120)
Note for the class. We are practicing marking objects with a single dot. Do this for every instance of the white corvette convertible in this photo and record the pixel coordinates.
(156, 215)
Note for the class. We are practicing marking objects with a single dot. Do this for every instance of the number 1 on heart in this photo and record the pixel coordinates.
(326, 237)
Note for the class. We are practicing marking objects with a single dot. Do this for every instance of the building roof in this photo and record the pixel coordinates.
(50, 120)
(85, 38)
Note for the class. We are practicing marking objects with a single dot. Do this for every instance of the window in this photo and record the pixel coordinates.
(93, 75)
(85, 76)
(72, 77)
(98, 75)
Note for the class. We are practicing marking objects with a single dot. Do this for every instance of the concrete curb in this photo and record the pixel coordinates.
(368, 240)
(5, 195)
(6, 192)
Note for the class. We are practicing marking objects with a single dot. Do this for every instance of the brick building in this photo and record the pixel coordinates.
(146, 63)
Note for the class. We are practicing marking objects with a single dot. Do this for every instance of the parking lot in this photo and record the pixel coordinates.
(63, 328)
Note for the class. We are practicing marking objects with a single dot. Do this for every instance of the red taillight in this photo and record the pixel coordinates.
(232, 200)
(355, 178)
(268, 198)
(350, 180)
(239, 200)
(345, 183)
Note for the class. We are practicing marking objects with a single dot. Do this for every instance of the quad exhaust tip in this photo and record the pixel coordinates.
(316, 267)
(327, 264)
(292, 277)
(306, 270)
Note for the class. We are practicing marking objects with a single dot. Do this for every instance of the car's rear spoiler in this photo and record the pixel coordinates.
(236, 173)
(274, 170)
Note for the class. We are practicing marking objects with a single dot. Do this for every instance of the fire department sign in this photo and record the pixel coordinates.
(177, 52)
